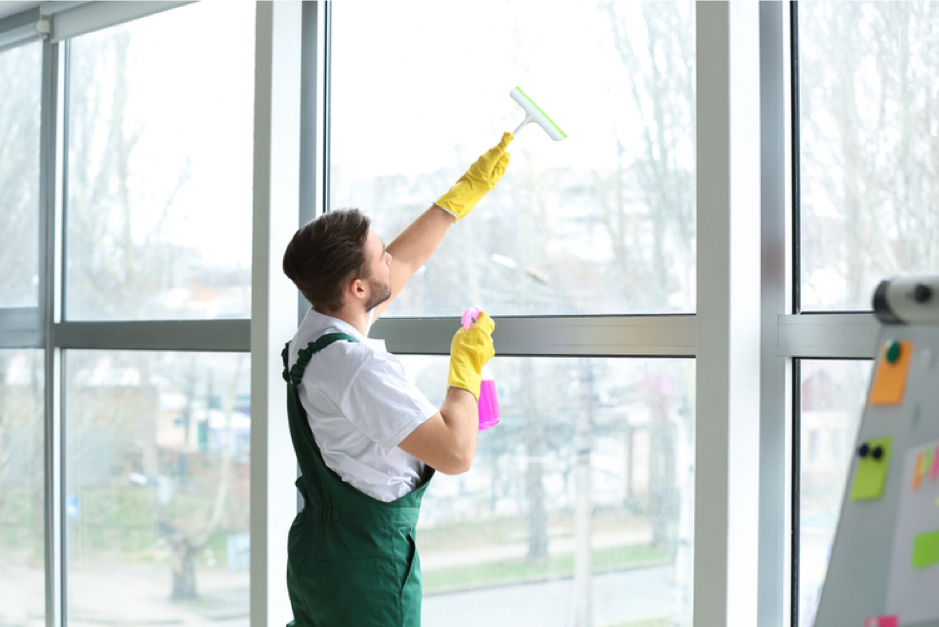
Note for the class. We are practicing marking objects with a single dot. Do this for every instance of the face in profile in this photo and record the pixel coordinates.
(379, 279)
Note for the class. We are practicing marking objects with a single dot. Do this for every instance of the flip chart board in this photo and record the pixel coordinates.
(884, 566)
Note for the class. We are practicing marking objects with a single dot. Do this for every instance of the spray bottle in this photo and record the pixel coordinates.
(488, 401)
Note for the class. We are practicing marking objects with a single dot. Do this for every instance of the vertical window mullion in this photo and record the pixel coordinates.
(796, 177)
(796, 309)
(796, 486)
(52, 93)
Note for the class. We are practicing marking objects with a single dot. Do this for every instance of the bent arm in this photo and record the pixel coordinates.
(413, 247)
(447, 440)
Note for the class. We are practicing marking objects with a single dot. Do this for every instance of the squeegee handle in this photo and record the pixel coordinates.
(524, 122)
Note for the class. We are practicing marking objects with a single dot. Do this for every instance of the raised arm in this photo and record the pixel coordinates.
(416, 243)
(413, 247)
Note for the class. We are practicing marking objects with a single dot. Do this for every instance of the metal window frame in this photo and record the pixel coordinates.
(846, 335)
(679, 336)
(667, 335)
(773, 586)
(728, 365)
(46, 326)
(819, 335)
(21, 327)
(277, 183)
(53, 90)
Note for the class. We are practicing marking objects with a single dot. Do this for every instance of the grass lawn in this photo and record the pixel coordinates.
(519, 570)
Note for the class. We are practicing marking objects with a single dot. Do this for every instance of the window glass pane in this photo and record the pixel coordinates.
(601, 222)
(869, 160)
(20, 77)
(581, 497)
(157, 482)
(832, 402)
(22, 484)
(160, 149)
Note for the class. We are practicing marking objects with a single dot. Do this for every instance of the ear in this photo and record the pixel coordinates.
(356, 290)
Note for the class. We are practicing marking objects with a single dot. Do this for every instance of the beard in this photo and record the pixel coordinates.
(380, 292)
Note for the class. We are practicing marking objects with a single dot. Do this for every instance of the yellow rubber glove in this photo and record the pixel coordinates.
(481, 177)
(469, 351)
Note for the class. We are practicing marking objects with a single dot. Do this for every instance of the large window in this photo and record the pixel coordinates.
(158, 163)
(832, 395)
(128, 191)
(579, 505)
(22, 488)
(159, 168)
(20, 73)
(22, 431)
(601, 223)
(157, 485)
(869, 117)
(582, 496)
(126, 156)
(866, 175)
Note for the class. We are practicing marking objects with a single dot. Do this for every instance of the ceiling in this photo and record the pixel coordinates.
(12, 8)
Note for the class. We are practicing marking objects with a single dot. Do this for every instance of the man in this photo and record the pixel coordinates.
(367, 440)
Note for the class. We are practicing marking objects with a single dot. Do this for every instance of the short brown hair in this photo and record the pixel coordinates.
(325, 253)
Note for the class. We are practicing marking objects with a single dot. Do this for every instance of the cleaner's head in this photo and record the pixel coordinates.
(327, 253)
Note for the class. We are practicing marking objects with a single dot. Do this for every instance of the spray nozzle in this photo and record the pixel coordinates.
(470, 316)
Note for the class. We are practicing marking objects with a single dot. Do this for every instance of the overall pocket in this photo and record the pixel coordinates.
(344, 592)
(411, 590)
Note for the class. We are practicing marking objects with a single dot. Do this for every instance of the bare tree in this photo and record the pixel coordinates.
(661, 171)
(117, 273)
(20, 71)
(869, 158)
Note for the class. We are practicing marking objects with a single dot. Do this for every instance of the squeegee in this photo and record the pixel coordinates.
(533, 113)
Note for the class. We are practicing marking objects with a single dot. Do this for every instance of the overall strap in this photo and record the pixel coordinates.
(303, 443)
(295, 374)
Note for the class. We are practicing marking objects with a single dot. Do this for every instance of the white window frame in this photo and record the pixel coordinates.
(744, 346)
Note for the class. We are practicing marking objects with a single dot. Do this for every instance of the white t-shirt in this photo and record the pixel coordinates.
(360, 406)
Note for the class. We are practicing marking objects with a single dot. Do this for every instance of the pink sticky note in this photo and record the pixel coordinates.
(934, 469)
(884, 621)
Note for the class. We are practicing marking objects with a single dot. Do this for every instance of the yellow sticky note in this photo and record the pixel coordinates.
(870, 473)
(890, 380)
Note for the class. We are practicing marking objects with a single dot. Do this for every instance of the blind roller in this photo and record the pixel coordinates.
(22, 28)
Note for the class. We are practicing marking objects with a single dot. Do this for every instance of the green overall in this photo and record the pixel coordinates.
(351, 559)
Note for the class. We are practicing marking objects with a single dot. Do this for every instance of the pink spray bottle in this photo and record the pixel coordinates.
(488, 401)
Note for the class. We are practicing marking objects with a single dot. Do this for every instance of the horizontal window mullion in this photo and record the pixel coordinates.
(20, 327)
(828, 336)
(562, 336)
(170, 335)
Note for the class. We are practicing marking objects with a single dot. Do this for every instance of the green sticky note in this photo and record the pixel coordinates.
(870, 474)
(925, 549)
(927, 462)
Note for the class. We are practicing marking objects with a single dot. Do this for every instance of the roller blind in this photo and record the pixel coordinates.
(85, 17)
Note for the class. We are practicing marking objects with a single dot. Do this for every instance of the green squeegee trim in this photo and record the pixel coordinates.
(541, 112)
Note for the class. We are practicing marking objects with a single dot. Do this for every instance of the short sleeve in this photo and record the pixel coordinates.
(383, 403)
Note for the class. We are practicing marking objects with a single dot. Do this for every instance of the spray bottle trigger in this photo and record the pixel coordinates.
(470, 316)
